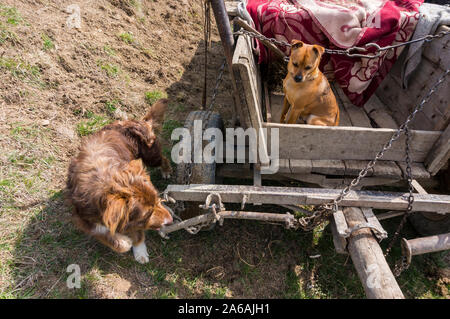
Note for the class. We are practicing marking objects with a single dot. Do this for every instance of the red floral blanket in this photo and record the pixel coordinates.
(341, 24)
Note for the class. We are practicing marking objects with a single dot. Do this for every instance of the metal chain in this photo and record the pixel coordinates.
(349, 51)
(324, 211)
(403, 264)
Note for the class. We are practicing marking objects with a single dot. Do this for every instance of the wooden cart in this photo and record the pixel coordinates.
(330, 157)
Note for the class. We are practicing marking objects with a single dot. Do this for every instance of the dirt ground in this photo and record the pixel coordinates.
(58, 84)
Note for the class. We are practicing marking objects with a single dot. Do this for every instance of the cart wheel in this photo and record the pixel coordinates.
(428, 224)
(202, 173)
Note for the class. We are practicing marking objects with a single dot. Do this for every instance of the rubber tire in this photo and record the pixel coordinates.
(202, 173)
(428, 224)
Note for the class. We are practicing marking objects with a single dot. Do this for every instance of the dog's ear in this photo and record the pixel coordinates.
(156, 112)
(115, 214)
(318, 50)
(295, 44)
(143, 134)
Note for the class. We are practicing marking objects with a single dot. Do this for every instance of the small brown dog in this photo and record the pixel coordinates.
(112, 196)
(307, 93)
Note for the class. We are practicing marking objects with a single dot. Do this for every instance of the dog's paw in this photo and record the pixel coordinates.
(165, 175)
(140, 253)
(122, 243)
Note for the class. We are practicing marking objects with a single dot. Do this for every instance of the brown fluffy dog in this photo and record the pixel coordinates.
(307, 93)
(112, 196)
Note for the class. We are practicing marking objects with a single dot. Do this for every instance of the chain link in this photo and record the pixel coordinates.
(350, 52)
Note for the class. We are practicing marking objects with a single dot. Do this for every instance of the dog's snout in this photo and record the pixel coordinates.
(168, 220)
(298, 78)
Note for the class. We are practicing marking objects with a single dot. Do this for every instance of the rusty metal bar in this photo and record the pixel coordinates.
(227, 39)
(424, 245)
(287, 219)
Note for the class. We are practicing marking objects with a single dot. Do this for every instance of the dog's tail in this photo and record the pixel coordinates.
(156, 112)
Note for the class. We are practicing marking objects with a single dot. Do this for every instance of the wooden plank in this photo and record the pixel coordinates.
(244, 114)
(276, 105)
(417, 169)
(372, 219)
(387, 169)
(338, 226)
(356, 114)
(418, 187)
(353, 167)
(328, 167)
(231, 7)
(344, 119)
(301, 141)
(368, 259)
(244, 62)
(439, 154)
(379, 113)
(310, 196)
(382, 117)
(267, 102)
(300, 166)
(388, 215)
(437, 50)
(435, 114)
(284, 166)
(334, 183)
(340, 244)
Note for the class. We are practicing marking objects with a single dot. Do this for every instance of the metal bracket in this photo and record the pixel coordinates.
(341, 231)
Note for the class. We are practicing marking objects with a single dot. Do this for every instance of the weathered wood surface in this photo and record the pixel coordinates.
(368, 259)
(299, 141)
(310, 196)
(440, 153)
(383, 169)
(356, 114)
(231, 7)
(437, 50)
(267, 102)
(244, 63)
(435, 114)
(338, 225)
(418, 170)
(379, 113)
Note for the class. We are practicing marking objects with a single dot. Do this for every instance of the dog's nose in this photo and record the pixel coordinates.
(168, 220)
(298, 78)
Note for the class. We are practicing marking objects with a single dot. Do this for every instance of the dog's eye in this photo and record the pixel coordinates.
(307, 67)
(295, 64)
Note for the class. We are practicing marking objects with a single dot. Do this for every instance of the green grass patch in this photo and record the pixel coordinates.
(93, 124)
(168, 126)
(7, 35)
(21, 69)
(153, 96)
(111, 106)
(11, 14)
(111, 70)
(126, 37)
(47, 42)
(109, 50)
